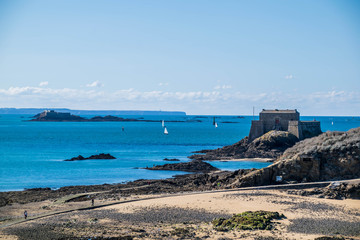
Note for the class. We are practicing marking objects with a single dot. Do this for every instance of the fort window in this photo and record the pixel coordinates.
(307, 159)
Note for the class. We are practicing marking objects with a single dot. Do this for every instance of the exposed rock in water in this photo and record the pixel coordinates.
(193, 166)
(329, 156)
(171, 159)
(269, 145)
(110, 118)
(99, 156)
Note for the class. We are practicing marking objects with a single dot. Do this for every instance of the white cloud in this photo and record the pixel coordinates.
(95, 84)
(222, 87)
(290, 76)
(43, 83)
(333, 102)
(163, 84)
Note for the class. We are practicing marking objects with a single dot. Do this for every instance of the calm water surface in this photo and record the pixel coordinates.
(32, 153)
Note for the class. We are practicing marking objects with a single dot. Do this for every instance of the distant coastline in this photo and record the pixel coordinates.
(53, 116)
(90, 112)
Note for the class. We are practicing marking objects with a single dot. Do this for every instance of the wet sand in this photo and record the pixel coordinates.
(247, 160)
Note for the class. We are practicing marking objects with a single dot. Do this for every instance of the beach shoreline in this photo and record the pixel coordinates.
(244, 160)
(181, 215)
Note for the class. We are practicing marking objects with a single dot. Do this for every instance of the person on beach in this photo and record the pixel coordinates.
(25, 214)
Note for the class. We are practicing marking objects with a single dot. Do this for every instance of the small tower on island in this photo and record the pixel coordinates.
(283, 120)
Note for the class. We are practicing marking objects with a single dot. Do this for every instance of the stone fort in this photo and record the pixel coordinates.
(283, 120)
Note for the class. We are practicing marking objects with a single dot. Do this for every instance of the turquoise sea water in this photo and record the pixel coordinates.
(32, 153)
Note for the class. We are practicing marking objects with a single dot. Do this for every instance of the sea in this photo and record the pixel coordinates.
(32, 153)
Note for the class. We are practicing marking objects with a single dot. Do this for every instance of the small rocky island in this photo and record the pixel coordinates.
(101, 156)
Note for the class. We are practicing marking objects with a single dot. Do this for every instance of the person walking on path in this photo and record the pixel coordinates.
(92, 202)
(25, 214)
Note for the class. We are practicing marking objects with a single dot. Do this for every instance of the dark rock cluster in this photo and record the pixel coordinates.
(98, 156)
(192, 166)
(171, 159)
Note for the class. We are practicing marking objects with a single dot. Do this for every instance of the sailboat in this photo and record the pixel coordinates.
(166, 131)
(163, 123)
(215, 123)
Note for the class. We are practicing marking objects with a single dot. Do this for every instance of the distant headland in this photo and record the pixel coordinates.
(90, 112)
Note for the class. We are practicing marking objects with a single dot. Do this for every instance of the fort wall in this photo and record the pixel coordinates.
(310, 129)
(256, 130)
(53, 114)
(277, 120)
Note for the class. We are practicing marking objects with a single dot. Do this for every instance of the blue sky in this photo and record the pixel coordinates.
(202, 57)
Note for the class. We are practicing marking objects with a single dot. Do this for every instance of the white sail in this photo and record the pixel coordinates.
(166, 131)
(216, 125)
(163, 123)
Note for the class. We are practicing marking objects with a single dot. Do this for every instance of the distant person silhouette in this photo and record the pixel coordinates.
(25, 214)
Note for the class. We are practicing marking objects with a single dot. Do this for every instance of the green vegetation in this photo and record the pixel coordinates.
(247, 221)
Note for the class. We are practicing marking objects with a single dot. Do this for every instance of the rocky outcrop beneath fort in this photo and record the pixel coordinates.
(329, 156)
(192, 166)
(98, 156)
(269, 145)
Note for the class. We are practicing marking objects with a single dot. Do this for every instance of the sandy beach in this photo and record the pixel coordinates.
(183, 216)
(246, 160)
